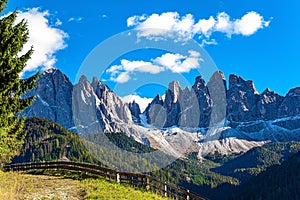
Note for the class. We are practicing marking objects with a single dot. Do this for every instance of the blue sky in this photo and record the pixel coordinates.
(269, 56)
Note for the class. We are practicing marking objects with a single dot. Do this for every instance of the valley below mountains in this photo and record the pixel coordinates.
(218, 116)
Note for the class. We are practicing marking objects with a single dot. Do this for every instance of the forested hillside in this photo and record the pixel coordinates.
(256, 160)
(277, 182)
(47, 141)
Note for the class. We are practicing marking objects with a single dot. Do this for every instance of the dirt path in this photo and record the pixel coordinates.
(22, 186)
(54, 188)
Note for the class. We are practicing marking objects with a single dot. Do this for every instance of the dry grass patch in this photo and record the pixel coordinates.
(14, 186)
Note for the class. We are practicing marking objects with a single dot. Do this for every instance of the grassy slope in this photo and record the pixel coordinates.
(23, 186)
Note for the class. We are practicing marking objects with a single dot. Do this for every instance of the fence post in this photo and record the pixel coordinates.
(118, 177)
(187, 194)
(165, 190)
(147, 185)
(131, 180)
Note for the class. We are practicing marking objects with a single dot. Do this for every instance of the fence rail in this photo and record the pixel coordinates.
(135, 180)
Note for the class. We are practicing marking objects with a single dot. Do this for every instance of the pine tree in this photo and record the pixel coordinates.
(12, 38)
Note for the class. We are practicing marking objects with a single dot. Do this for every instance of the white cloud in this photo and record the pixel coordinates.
(75, 19)
(176, 63)
(205, 42)
(123, 77)
(140, 66)
(142, 101)
(163, 24)
(224, 24)
(114, 69)
(204, 26)
(58, 22)
(171, 24)
(45, 39)
(194, 53)
(249, 24)
(134, 20)
(120, 73)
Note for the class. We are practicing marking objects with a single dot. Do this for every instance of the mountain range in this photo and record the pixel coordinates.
(223, 116)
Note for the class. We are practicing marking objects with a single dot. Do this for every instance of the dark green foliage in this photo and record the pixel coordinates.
(12, 39)
(258, 159)
(219, 158)
(123, 153)
(277, 182)
(127, 143)
(195, 175)
(47, 141)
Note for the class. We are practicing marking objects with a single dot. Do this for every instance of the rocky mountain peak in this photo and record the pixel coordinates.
(218, 99)
(175, 91)
(53, 98)
(266, 91)
(217, 80)
(157, 98)
(237, 81)
(98, 108)
(294, 92)
(290, 105)
(56, 76)
(199, 83)
(135, 111)
(51, 71)
(242, 100)
(95, 81)
(268, 104)
(218, 74)
(82, 79)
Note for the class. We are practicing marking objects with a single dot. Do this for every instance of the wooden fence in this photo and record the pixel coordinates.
(135, 180)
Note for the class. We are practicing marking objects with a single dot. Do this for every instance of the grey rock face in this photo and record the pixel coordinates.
(291, 103)
(192, 108)
(84, 108)
(172, 104)
(135, 111)
(217, 92)
(241, 100)
(204, 101)
(155, 112)
(97, 109)
(268, 104)
(53, 98)
(181, 107)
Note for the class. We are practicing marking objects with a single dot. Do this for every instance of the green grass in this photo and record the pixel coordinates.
(15, 186)
(101, 189)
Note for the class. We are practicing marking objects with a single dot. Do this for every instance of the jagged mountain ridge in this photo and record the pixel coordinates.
(210, 117)
(243, 103)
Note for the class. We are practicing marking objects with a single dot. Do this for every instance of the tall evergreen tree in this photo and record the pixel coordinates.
(12, 38)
